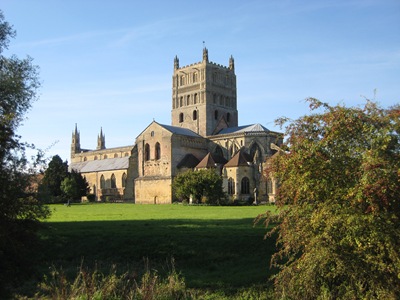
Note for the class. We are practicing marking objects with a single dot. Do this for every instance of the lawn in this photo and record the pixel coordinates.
(213, 247)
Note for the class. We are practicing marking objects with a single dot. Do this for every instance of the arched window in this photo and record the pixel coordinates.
(269, 187)
(115, 155)
(216, 115)
(102, 182)
(123, 180)
(95, 158)
(85, 158)
(180, 101)
(195, 115)
(188, 100)
(126, 154)
(228, 117)
(255, 150)
(245, 186)
(157, 151)
(113, 182)
(195, 99)
(105, 156)
(180, 117)
(231, 186)
(146, 152)
(218, 151)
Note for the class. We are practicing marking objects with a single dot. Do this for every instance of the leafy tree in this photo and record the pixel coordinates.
(339, 198)
(20, 212)
(50, 187)
(203, 185)
(74, 186)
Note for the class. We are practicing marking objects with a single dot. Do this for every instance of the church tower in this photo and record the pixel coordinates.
(204, 96)
(101, 140)
(76, 143)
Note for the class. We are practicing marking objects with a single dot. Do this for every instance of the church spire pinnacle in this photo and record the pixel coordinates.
(101, 140)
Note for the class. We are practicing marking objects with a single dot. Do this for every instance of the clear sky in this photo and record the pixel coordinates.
(109, 64)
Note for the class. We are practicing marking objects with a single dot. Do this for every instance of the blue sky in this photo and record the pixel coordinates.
(109, 64)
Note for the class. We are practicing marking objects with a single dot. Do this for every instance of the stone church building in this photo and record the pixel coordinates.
(204, 133)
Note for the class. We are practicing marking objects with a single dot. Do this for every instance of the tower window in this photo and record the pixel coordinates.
(180, 117)
(228, 117)
(147, 152)
(195, 99)
(157, 151)
(188, 100)
(216, 115)
(180, 101)
(195, 115)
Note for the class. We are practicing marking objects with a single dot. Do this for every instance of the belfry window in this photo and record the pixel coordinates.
(195, 115)
(245, 186)
(157, 151)
(180, 117)
(147, 152)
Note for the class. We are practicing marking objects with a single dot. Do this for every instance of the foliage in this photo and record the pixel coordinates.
(339, 230)
(96, 285)
(74, 186)
(50, 187)
(19, 209)
(203, 185)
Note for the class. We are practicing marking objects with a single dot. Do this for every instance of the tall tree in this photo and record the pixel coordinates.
(19, 210)
(55, 173)
(74, 186)
(339, 199)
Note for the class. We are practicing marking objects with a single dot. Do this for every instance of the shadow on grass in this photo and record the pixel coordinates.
(212, 254)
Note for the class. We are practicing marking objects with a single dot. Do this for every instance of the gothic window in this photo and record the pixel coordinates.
(194, 77)
(216, 115)
(113, 182)
(180, 117)
(182, 82)
(269, 187)
(195, 115)
(157, 152)
(102, 182)
(231, 186)
(188, 100)
(245, 186)
(152, 133)
(218, 151)
(214, 98)
(255, 149)
(123, 180)
(228, 117)
(146, 152)
(180, 101)
(195, 99)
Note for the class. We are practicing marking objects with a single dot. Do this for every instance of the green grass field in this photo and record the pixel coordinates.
(216, 248)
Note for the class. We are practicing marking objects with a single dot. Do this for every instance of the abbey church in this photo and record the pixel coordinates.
(204, 133)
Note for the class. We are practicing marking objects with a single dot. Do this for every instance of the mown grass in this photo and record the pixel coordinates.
(213, 248)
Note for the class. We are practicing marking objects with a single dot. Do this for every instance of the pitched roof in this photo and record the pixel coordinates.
(188, 161)
(101, 165)
(210, 161)
(241, 158)
(247, 128)
(179, 130)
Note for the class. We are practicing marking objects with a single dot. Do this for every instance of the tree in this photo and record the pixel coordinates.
(203, 184)
(74, 186)
(20, 212)
(339, 197)
(50, 187)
